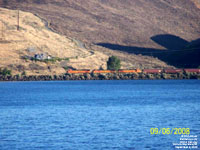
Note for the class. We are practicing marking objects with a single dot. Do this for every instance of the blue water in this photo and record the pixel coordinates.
(96, 115)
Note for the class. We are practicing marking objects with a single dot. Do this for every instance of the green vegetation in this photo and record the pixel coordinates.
(54, 59)
(66, 67)
(24, 73)
(5, 72)
(113, 63)
(51, 60)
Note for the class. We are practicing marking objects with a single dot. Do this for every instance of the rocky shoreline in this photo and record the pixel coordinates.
(109, 76)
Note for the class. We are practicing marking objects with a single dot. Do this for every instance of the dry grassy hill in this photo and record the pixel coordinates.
(18, 48)
(123, 28)
(35, 37)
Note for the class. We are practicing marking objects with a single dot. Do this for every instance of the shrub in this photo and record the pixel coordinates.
(5, 72)
(24, 73)
(51, 60)
(113, 63)
(66, 67)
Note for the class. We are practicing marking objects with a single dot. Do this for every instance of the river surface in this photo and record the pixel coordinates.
(96, 115)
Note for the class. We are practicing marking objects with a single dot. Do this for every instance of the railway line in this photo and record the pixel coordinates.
(150, 71)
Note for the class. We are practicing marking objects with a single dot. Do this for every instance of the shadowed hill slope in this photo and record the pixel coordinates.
(178, 52)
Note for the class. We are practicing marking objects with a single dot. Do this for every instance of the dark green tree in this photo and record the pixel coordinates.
(113, 63)
(5, 72)
(24, 73)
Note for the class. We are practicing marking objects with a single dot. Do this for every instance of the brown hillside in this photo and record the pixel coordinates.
(127, 25)
(197, 3)
(121, 22)
(34, 37)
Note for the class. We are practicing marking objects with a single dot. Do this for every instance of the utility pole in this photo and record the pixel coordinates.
(2, 31)
(18, 20)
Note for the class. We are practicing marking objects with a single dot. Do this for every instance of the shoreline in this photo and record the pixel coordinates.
(108, 76)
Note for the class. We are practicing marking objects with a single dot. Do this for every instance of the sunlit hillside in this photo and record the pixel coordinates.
(18, 49)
